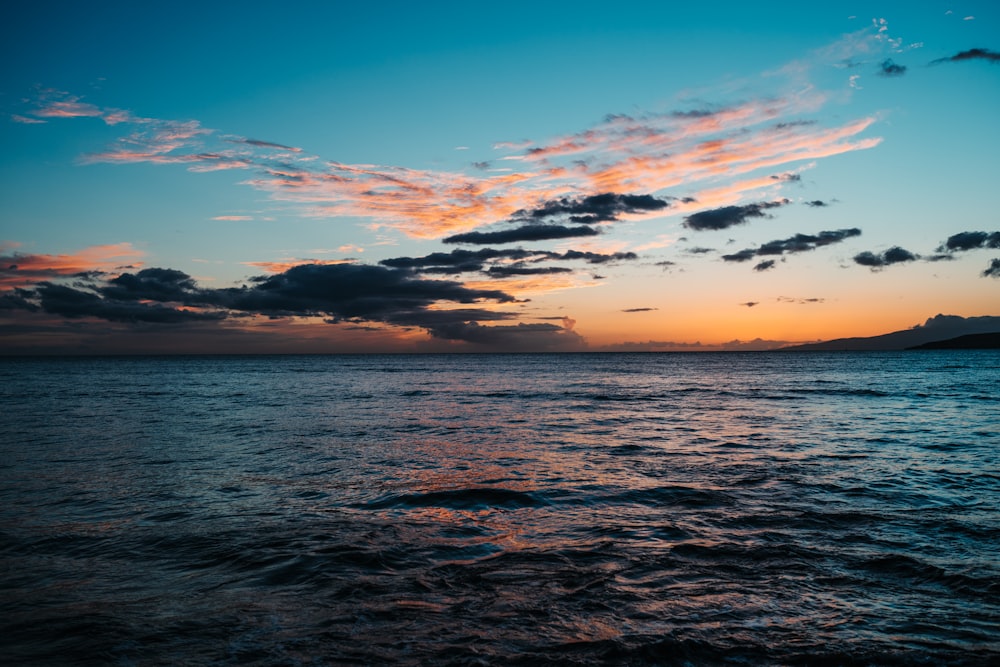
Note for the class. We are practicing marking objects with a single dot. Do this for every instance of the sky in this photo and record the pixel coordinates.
(420, 177)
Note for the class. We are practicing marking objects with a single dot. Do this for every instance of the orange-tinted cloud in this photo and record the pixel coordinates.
(20, 270)
(684, 154)
(284, 265)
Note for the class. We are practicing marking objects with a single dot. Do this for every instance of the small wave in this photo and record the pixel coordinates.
(668, 495)
(471, 498)
(841, 392)
(919, 572)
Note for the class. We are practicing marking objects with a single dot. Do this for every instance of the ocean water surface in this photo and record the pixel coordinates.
(629, 509)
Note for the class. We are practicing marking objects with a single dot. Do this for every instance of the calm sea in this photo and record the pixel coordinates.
(623, 509)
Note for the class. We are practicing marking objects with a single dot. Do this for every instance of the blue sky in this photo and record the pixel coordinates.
(229, 144)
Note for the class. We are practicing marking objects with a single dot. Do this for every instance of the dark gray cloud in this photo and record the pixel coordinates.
(970, 241)
(797, 243)
(73, 302)
(565, 218)
(894, 255)
(805, 242)
(815, 203)
(638, 310)
(512, 338)
(698, 250)
(694, 113)
(535, 232)
(795, 123)
(750, 304)
(265, 144)
(766, 265)
(787, 176)
(606, 207)
(993, 270)
(788, 299)
(521, 270)
(341, 293)
(15, 300)
(151, 284)
(457, 261)
(744, 255)
(888, 68)
(727, 216)
(461, 260)
(971, 54)
(595, 257)
(347, 290)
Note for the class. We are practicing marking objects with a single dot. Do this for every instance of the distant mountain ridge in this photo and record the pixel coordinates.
(937, 328)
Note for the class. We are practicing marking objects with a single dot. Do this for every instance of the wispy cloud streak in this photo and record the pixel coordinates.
(675, 156)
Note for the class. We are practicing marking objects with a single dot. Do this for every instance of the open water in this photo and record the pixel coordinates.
(623, 509)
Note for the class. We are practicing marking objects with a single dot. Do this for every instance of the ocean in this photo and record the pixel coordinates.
(607, 509)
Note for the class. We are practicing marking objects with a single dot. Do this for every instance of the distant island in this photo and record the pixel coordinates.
(947, 331)
(983, 341)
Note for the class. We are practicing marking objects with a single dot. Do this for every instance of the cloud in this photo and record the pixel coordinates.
(521, 270)
(456, 261)
(605, 207)
(25, 120)
(816, 203)
(993, 270)
(73, 303)
(464, 261)
(750, 304)
(788, 177)
(888, 68)
(595, 257)
(577, 176)
(805, 242)
(638, 310)
(797, 243)
(68, 107)
(265, 144)
(970, 241)
(168, 142)
(744, 255)
(538, 337)
(352, 293)
(786, 299)
(728, 216)
(894, 255)
(971, 54)
(151, 284)
(15, 300)
(19, 269)
(766, 265)
(523, 233)
(348, 290)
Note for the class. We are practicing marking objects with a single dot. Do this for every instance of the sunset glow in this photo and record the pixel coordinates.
(478, 185)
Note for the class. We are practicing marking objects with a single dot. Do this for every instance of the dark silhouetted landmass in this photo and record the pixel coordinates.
(937, 328)
(983, 341)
